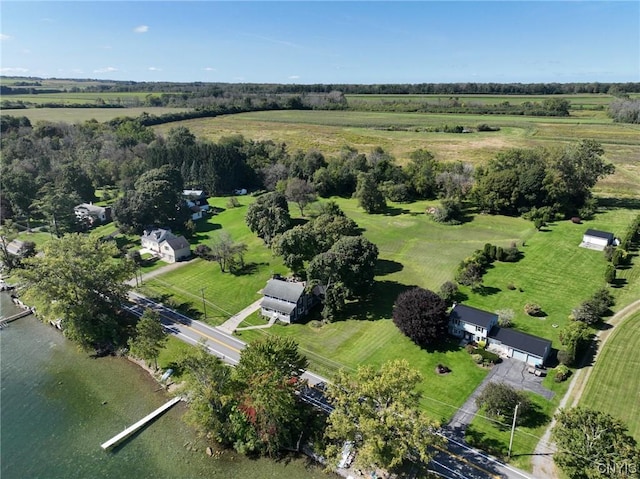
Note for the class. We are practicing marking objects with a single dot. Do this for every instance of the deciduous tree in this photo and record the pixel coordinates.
(150, 337)
(269, 216)
(421, 315)
(369, 196)
(592, 444)
(500, 400)
(77, 279)
(378, 412)
(300, 192)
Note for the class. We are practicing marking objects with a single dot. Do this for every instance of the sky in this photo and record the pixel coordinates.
(323, 42)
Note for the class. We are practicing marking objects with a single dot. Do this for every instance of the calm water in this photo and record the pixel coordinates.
(53, 420)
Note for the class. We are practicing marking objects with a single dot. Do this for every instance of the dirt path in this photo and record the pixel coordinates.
(543, 465)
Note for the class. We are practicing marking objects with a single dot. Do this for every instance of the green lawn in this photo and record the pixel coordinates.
(614, 384)
(494, 438)
(347, 344)
(225, 293)
(556, 274)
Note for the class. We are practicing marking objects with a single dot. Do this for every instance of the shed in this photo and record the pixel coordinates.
(597, 240)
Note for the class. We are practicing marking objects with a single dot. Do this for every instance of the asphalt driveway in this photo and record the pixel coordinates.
(509, 371)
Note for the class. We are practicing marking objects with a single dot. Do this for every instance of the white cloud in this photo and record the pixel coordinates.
(154, 69)
(141, 29)
(5, 37)
(13, 70)
(105, 70)
(294, 77)
(209, 69)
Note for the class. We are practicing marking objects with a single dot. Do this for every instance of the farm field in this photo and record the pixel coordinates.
(79, 115)
(401, 133)
(79, 97)
(614, 384)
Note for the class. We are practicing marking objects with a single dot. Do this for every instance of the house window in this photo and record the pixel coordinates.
(479, 329)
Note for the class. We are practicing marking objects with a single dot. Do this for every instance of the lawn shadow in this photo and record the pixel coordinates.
(385, 267)
(395, 211)
(449, 345)
(487, 290)
(534, 417)
(622, 203)
(619, 283)
(248, 268)
(480, 440)
(380, 302)
(205, 227)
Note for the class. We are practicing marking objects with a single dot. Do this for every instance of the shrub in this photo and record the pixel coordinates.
(233, 202)
(576, 219)
(610, 274)
(532, 309)
(482, 344)
(511, 255)
(511, 286)
(608, 253)
(562, 372)
(448, 291)
(477, 358)
(470, 348)
(505, 317)
(565, 357)
(618, 257)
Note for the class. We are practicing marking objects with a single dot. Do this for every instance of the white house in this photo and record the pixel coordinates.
(166, 245)
(470, 323)
(196, 198)
(477, 325)
(285, 300)
(597, 240)
(92, 214)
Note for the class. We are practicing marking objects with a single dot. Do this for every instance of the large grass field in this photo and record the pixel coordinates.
(401, 133)
(614, 384)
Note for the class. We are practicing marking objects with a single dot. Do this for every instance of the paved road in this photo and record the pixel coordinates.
(218, 342)
(458, 461)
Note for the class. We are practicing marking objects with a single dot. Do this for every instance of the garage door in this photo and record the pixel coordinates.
(533, 360)
(519, 355)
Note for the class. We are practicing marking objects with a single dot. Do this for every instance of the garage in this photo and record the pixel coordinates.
(597, 240)
(521, 346)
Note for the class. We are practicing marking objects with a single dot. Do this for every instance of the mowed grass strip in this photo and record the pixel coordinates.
(614, 384)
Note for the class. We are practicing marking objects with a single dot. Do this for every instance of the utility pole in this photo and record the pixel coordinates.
(204, 304)
(513, 429)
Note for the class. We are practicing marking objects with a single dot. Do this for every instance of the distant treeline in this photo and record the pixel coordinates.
(216, 89)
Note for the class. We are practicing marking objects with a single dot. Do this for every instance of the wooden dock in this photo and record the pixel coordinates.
(130, 430)
(21, 314)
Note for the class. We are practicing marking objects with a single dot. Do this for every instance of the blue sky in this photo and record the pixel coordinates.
(323, 42)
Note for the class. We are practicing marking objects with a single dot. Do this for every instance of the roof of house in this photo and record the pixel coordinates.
(599, 234)
(474, 316)
(14, 247)
(195, 193)
(289, 291)
(158, 235)
(178, 243)
(90, 207)
(522, 341)
(278, 305)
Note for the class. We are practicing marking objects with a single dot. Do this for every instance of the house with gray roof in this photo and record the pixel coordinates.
(285, 300)
(92, 215)
(471, 324)
(164, 244)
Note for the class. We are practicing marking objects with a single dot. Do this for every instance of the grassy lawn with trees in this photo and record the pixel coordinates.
(614, 384)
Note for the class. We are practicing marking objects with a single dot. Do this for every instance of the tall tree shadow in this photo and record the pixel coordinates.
(385, 267)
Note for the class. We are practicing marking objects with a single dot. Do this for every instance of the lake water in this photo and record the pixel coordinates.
(58, 405)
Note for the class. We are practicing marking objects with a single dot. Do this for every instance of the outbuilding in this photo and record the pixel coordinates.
(597, 240)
